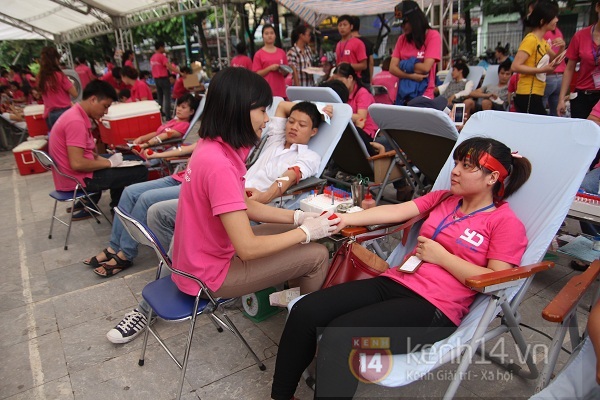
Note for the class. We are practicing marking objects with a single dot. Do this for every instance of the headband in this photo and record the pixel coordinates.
(488, 161)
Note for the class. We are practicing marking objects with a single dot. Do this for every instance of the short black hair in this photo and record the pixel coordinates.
(543, 13)
(308, 108)
(268, 26)
(126, 54)
(338, 87)
(158, 44)
(129, 72)
(505, 66)
(124, 93)
(101, 89)
(190, 99)
(240, 48)
(15, 83)
(346, 18)
(116, 72)
(233, 93)
(145, 74)
(355, 23)
(463, 67)
(185, 70)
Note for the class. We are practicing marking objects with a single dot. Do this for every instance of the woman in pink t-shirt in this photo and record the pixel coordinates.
(584, 49)
(213, 239)
(360, 99)
(423, 44)
(128, 57)
(54, 85)
(267, 62)
(471, 232)
(140, 90)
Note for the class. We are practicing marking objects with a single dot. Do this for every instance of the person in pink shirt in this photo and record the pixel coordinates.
(160, 72)
(4, 78)
(85, 72)
(213, 238)
(268, 60)
(387, 80)
(175, 128)
(241, 59)
(128, 58)
(139, 89)
(73, 149)
(420, 41)
(360, 99)
(56, 88)
(554, 79)
(350, 49)
(471, 232)
(15, 74)
(109, 63)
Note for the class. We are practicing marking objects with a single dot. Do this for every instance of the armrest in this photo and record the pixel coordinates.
(507, 275)
(387, 154)
(177, 160)
(568, 297)
(308, 183)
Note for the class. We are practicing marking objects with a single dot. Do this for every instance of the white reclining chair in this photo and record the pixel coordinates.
(475, 74)
(560, 150)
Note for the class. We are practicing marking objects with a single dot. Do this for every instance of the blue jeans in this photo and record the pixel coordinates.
(54, 115)
(135, 200)
(552, 91)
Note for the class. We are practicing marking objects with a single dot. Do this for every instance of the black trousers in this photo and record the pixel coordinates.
(115, 180)
(372, 308)
(163, 95)
(530, 104)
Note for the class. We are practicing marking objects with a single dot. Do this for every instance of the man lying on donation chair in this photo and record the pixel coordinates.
(284, 154)
(471, 232)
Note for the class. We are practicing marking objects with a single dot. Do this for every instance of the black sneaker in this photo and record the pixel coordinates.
(130, 326)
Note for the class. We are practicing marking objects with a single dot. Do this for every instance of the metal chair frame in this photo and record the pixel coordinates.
(73, 196)
(202, 303)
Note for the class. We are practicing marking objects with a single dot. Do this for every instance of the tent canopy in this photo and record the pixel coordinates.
(65, 21)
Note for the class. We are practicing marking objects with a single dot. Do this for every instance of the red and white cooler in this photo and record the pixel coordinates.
(36, 124)
(26, 161)
(129, 120)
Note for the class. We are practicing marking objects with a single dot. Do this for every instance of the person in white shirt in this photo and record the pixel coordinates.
(286, 152)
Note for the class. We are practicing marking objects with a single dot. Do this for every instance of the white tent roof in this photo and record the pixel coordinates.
(71, 20)
(314, 12)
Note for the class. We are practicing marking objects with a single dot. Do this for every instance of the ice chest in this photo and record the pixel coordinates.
(36, 124)
(129, 120)
(26, 161)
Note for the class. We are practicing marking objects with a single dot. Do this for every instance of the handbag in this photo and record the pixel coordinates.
(353, 262)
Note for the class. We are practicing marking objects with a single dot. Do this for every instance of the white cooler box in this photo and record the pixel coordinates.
(129, 120)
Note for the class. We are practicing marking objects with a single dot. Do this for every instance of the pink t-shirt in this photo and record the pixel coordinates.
(58, 96)
(73, 128)
(17, 78)
(276, 80)
(242, 61)
(158, 62)
(432, 48)
(85, 74)
(549, 37)
(581, 49)
(213, 185)
(350, 51)
(129, 63)
(139, 91)
(178, 89)
(361, 99)
(385, 78)
(596, 110)
(176, 125)
(497, 235)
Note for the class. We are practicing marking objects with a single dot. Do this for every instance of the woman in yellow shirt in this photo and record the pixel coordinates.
(530, 89)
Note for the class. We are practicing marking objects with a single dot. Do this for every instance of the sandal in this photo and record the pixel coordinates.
(94, 263)
(110, 269)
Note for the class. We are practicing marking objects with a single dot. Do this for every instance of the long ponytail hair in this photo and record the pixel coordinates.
(49, 65)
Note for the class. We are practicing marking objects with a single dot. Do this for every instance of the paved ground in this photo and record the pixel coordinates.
(55, 313)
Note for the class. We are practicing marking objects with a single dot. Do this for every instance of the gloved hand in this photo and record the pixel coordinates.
(116, 160)
(301, 216)
(320, 227)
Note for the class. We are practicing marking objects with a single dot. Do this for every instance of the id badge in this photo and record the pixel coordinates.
(596, 76)
(411, 265)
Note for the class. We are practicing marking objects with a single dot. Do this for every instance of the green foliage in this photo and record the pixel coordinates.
(169, 31)
(498, 7)
(26, 50)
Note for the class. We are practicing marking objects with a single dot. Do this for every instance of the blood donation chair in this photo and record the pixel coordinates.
(541, 204)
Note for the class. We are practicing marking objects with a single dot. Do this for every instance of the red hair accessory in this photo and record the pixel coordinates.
(488, 161)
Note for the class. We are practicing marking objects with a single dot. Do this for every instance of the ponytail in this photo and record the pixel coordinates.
(519, 174)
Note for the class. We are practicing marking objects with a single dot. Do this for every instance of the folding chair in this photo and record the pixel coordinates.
(350, 154)
(563, 310)
(77, 195)
(420, 137)
(491, 76)
(541, 204)
(170, 304)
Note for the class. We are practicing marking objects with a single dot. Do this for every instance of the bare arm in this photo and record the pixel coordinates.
(593, 327)
(270, 68)
(478, 93)
(519, 66)
(178, 152)
(396, 71)
(566, 82)
(274, 190)
(360, 66)
(386, 214)
(81, 164)
(425, 66)
(73, 91)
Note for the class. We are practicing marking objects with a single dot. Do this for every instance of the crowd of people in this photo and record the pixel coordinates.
(204, 213)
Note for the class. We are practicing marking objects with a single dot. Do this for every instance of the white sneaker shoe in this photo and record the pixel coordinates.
(130, 326)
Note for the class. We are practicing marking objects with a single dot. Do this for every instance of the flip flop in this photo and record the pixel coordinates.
(94, 263)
